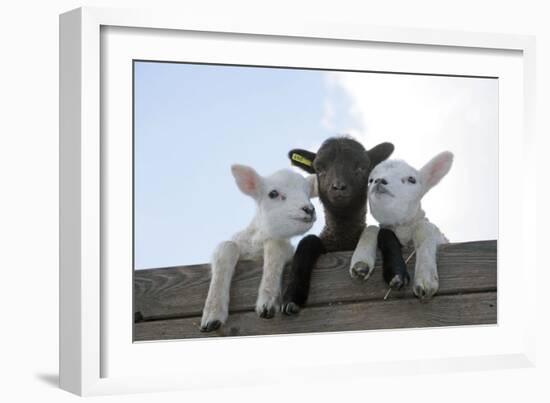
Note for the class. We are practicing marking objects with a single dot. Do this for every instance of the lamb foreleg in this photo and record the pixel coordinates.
(308, 251)
(223, 265)
(364, 256)
(276, 254)
(394, 268)
(426, 278)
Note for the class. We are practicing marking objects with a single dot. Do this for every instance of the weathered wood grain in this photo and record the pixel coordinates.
(448, 310)
(180, 292)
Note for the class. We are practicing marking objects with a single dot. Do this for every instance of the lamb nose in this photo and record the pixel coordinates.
(339, 186)
(382, 181)
(309, 210)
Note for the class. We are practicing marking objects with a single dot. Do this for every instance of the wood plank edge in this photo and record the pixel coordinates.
(139, 318)
(138, 333)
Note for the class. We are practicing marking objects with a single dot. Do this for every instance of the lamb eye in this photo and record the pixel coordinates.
(273, 194)
(411, 179)
(370, 180)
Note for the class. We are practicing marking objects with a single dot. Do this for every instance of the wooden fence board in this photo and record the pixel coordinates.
(443, 310)
(180, 292)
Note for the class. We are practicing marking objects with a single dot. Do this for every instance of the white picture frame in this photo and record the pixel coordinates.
(96, 355)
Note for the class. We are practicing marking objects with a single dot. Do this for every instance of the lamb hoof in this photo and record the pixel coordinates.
(266, 312)
(398, 281)
(290, 309)
(211, 326)
(425, 292)
(361, 270)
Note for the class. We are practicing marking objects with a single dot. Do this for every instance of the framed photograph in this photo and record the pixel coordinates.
(216, 179)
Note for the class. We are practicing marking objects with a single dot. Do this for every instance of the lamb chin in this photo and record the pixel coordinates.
(303, 225)
(340, 202)
(292, 227)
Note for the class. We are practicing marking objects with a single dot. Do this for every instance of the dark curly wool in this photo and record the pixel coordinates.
(342, 166)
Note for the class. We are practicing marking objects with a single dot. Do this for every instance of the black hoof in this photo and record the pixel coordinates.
(290, 308)
(211, 326)
(399, 280)
(267, 312)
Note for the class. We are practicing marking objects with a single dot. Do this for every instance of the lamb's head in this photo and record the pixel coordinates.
(283, 199)
(396, 189)
(342, 166)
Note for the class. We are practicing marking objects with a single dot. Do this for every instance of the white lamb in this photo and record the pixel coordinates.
(283, 211)
(395, 193)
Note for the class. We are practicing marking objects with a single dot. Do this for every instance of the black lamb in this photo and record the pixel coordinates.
(342, 166)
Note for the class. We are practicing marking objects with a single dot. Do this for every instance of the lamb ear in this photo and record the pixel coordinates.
(314, 188)
(436, 169)
(379, 153)
(302, 159)
(248, 180)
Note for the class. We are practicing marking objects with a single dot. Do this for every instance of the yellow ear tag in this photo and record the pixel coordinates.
(300, 159)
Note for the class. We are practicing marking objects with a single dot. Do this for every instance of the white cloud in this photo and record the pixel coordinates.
(423, 115)
(328, 115)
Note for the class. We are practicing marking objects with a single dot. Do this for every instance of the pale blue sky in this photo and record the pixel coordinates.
(193, 121)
